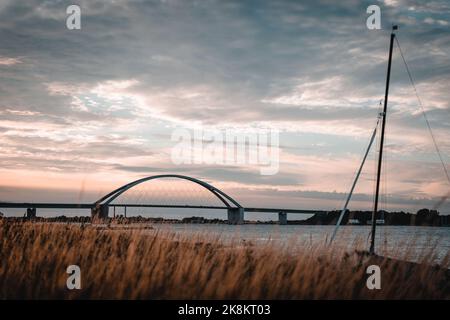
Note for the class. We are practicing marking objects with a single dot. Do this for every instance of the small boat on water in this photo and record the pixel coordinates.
(378, 222)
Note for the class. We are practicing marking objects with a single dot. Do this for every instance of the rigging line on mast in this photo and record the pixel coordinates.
(423, 112)
(380, 111)
(377, 148)
(384, 172)
(344, 209)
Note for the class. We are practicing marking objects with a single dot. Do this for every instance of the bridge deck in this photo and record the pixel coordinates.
(90, 206)
(46, 205)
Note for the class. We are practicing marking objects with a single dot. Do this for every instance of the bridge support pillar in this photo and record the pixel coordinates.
(31, 213)
(282, 218)
(100, 212)
(235, 215)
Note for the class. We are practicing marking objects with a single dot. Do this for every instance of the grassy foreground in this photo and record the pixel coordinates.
(136, 264)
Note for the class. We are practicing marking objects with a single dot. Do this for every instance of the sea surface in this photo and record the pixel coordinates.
(403, 242)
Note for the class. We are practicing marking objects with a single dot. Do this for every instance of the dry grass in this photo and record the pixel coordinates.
(136, 264)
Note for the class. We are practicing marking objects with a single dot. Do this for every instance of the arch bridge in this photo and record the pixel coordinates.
(234, 209)
(100, 208)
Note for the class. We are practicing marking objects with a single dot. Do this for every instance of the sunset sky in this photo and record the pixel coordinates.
(85, 111)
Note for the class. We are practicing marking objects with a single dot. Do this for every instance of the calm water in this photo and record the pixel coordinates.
(392, 241)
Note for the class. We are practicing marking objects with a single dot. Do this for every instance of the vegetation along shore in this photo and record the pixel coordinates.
(150, 264)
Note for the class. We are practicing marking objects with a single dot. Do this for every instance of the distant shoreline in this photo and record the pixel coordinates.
(423, 217)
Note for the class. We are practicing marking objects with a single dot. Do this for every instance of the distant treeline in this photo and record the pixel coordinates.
(423, 217)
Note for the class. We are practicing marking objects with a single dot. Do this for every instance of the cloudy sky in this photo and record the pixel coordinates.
(85, 111)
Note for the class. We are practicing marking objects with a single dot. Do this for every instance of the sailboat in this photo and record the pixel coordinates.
(382, 118)
(380, 153)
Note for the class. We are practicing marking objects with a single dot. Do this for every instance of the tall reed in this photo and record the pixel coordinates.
(150, 264)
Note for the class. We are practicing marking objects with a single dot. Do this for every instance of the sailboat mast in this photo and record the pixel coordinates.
(380, 154)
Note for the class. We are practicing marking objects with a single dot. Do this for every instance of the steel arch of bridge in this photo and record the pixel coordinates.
(222, 196)
(100, 208)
